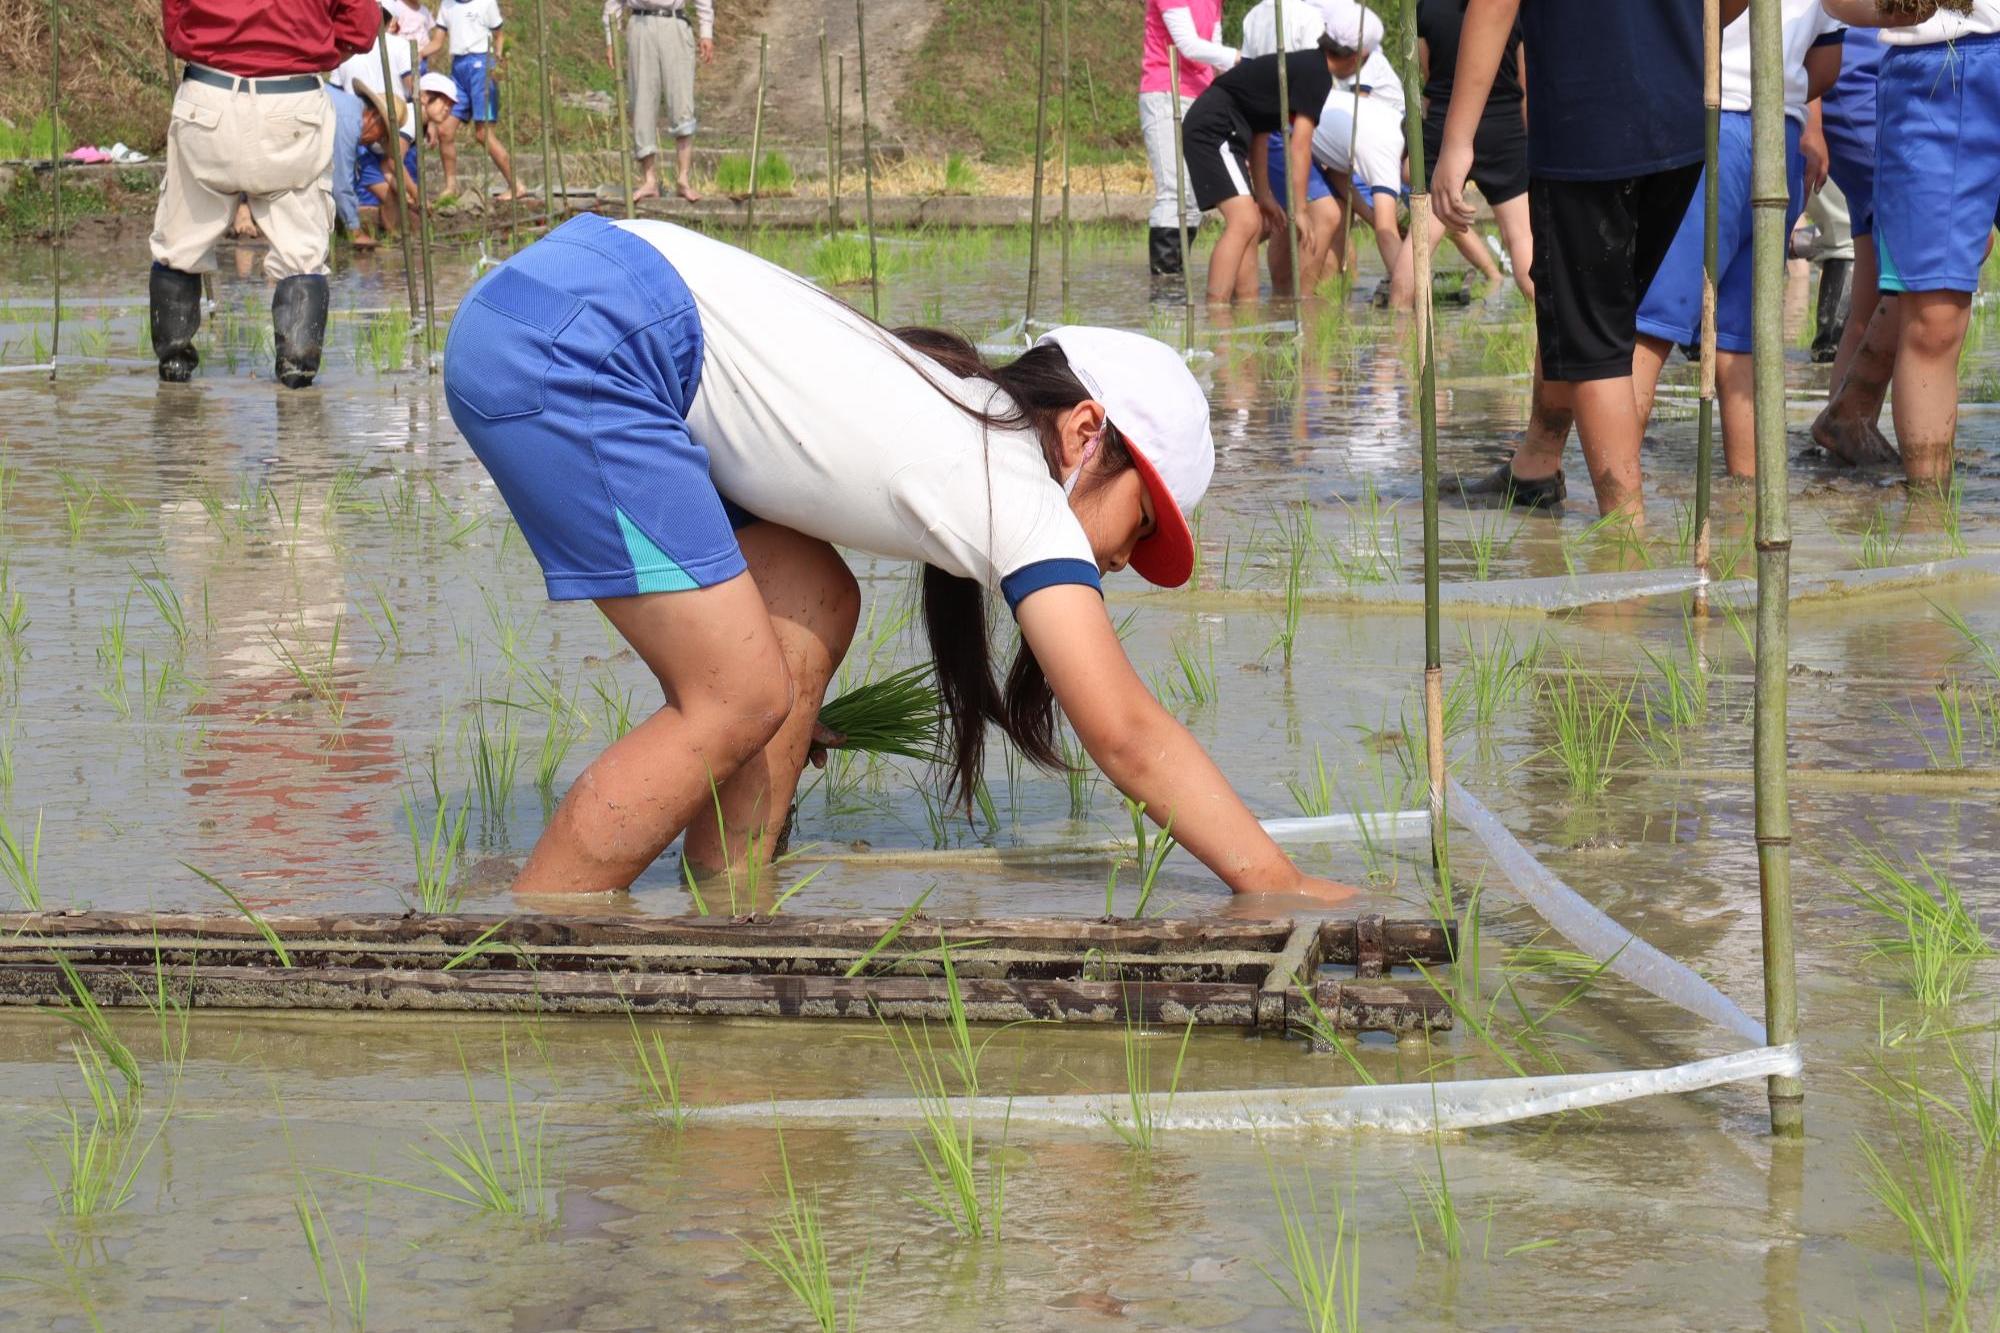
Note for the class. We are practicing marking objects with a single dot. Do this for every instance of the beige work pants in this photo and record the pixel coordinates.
(275, 149)
(659, 55)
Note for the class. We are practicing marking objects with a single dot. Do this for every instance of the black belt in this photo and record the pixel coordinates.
(215, 78)
(680, 14)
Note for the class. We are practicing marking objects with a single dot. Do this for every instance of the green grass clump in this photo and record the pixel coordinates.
(797, 1255)
(839, 260)
(896, 715)
(1938, 940)
(504, 1172)
(960, 177)
(774, 174)
(1321, 1258)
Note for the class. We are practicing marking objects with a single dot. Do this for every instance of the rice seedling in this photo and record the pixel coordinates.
(1491, 538)
(658, 1077)
(1938, 941)
(389, 629)
(100, 1148)
(317, 674)
(839, 260)
(1196, 683)
(615, 706)
(14, 620)
(1879, 546)
(1496, 673)
(948, 1142)
(1952, 701)
(1150, 850)
(496, 757)
(1438, 1201)
(1314, 795)
(111, 656)
(504, 1173)
(249, 913)
(1300, 540)
(1321, 1256)
(1142, 1131)
(435, 847)
(896, 715)
(890, 935)
(797, 1255)
(774, 174)
(1588, 719)
(323, 1244)
(21, 861)
(1680, 699)
(1941, 1204)
(1975, 646)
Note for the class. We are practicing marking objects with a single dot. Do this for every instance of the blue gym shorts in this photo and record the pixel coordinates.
(569, 370)
(478, 95)
(1316, 186)
(372, 168)
(1937, 163)
(1850, 161)
(1671, 308)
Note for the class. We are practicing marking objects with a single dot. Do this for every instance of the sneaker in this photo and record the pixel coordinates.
(1501, 489)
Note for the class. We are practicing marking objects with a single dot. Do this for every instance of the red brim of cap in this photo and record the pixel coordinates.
(1167, 557)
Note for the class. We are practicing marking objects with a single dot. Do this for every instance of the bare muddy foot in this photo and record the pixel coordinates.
(645, 192)
(1855, 443)
(688, 193)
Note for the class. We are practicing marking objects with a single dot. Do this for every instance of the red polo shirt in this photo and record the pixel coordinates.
(267, 38)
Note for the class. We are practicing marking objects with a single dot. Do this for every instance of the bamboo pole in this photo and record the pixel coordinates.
(1041, 151)
(1294, 189)
(839, 127)
(549, 188)
(1180, 200)
(621, 92)
(1420, 237)
(423, 225)
(399, 182)
(55, 180)
(832, 165)
(513, 204)
(867, 161)
(1704, 453)
(757, 125)
(1348, 267)
(1768, 200)
(1066, 224)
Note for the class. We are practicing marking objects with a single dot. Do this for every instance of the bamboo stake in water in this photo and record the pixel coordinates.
(620, 91)
(423, 223)
(1180, 200)
(1768, 199)
(1065, 159)
(549, 188)
(507, 133)
(839, 129)
(399, 182)
(1348, 267)
(1294, 188)
(868, 162)
(1041, 151)
(1420, 237)
(757, 125)
(55, 179)
(1704, 454)
(826, 105)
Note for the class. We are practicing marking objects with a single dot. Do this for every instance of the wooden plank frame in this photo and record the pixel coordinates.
(1223, 973)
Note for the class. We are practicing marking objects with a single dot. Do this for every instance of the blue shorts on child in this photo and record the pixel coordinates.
(1671, 308)
(1316, 186)
(570, 370)
(371, 168)
(1937, 163)
(478, 95)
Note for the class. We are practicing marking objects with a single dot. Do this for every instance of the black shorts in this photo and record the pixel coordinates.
(1216, 145)
(1499, 155)
(1597, 246)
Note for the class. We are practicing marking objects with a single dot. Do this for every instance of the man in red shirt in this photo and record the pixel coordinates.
(252, 118)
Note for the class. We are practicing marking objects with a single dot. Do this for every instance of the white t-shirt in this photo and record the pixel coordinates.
(365, 67)
(812, 417)
(1304, 24)
(1804, 24)
(413, 22)
(1377, 138)
(469, 24)
(1945, 26)
(1378, 76)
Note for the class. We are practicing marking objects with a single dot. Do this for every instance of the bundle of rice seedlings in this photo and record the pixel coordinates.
(1923, 8)
(895, 715)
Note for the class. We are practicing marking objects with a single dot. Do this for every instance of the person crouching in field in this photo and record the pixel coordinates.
(1219, 134)
(684, 432)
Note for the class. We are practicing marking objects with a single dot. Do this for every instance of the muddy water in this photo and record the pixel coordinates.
(357, 607)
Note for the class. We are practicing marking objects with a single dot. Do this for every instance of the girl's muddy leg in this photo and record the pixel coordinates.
(1736, 386)
(1846, 427)
(813, 603)
(1649, 357)
(1926, 406)
(1242, 224)
(1607, 422)
(720, 666)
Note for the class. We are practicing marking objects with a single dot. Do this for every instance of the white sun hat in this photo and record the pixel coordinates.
(1352, 26)
(1153, 399)
(435, 82)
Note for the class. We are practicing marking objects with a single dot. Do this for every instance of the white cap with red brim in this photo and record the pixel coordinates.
(1153, 399)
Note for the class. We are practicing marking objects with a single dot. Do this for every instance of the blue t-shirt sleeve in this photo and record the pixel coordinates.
(1047, 574)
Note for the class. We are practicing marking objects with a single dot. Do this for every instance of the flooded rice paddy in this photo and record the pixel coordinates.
(256, 639)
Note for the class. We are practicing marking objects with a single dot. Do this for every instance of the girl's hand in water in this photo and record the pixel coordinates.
(1327, 891)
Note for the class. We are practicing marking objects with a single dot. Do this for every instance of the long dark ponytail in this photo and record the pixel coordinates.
(1038, 386)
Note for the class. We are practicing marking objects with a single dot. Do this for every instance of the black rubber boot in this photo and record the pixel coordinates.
(1164, 247)
(1836, 299)
(298, 317)
(1500, 488)
(175, 302)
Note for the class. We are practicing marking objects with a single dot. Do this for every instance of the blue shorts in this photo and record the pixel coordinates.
(371, 168)
(569, 370)
(1316, 186)
(1848, 119)
(1937, 163)
(1671, 308)
(478, 95)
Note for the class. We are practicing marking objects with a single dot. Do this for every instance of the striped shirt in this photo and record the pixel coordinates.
(704, 14)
